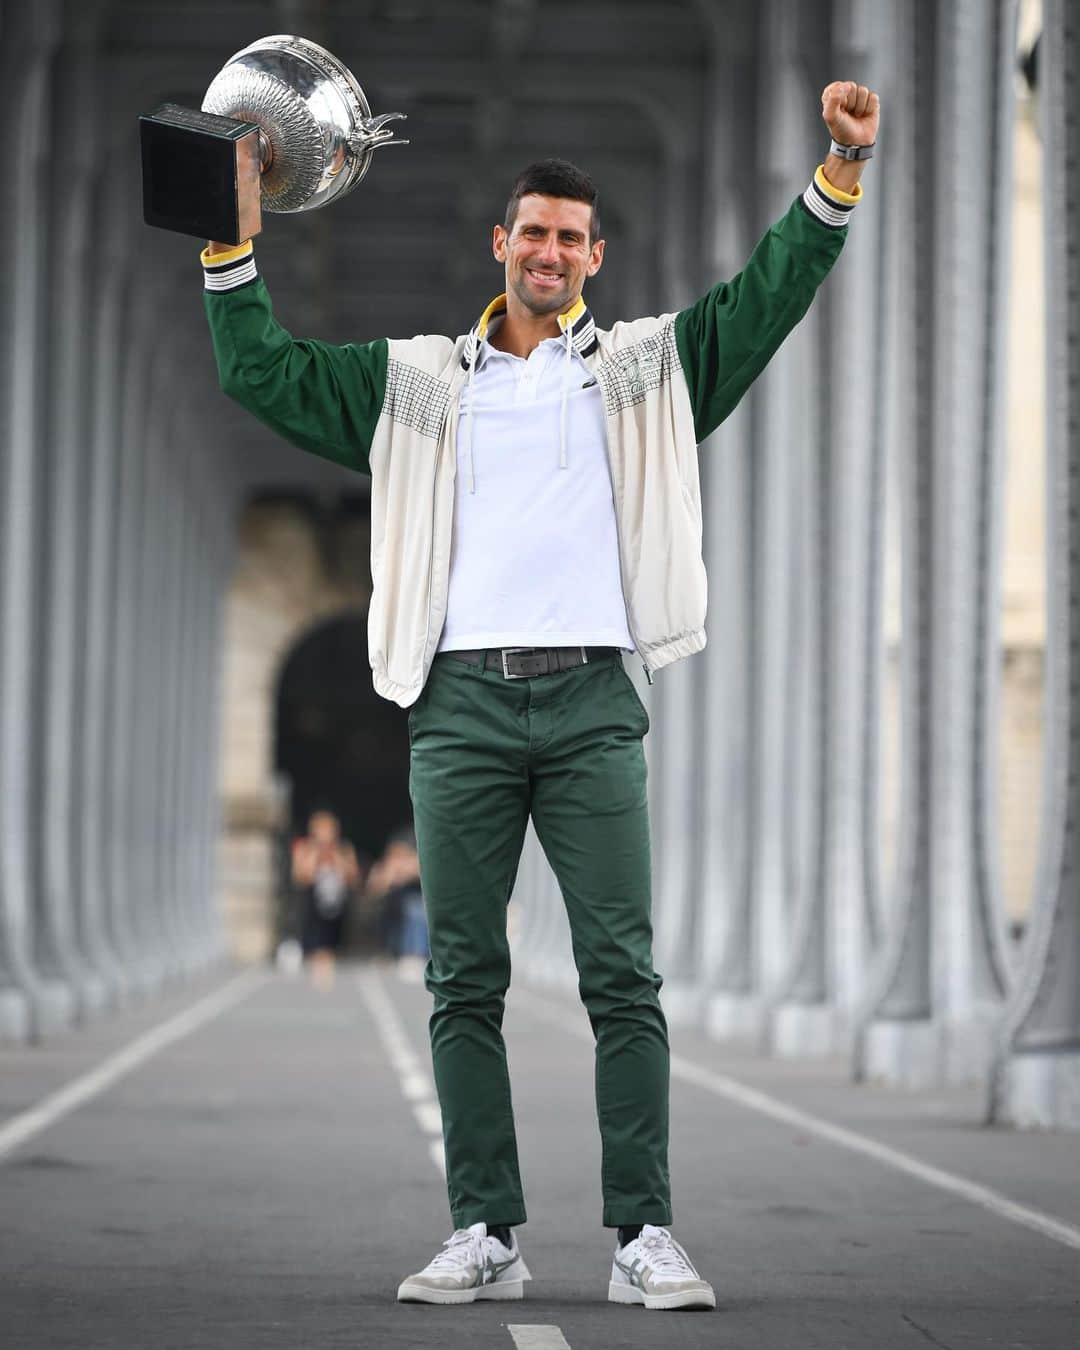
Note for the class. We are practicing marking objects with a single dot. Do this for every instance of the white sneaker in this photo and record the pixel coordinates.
(470, 1266)
(654, 1270)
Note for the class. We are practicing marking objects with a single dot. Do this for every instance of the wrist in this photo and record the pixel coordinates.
(843, 174)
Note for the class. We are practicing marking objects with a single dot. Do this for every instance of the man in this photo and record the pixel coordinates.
(535, 512)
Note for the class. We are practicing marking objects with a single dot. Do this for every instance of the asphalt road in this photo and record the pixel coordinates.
(255, 1163)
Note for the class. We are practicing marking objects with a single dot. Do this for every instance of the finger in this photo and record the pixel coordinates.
(862, 100)
(833, 94)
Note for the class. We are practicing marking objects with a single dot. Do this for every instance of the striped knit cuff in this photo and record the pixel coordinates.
(829, 204)
(226, 271)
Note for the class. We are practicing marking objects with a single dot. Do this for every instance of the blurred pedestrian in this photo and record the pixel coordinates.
(394, 890)
(325, 871)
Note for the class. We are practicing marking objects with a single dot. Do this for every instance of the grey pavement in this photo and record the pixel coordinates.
(264, 1182)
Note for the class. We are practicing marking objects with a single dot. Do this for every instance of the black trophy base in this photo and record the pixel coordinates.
(200, 174)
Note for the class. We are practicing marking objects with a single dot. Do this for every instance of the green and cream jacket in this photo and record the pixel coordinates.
(389, 408)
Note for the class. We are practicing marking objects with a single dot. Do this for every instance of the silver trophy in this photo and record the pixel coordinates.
(284, 126)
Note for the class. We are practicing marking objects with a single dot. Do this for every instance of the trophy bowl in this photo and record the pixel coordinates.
(317, 135)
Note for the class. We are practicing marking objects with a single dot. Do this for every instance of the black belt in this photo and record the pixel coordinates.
(520, 663)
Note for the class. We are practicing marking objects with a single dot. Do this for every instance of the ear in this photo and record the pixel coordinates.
(596, 257)
(498, 243)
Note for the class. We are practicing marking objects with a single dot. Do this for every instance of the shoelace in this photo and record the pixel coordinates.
(665, 1256)
(459, 1249)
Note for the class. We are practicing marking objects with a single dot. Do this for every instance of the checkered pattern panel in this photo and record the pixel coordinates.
(631, 373)
(415, 398)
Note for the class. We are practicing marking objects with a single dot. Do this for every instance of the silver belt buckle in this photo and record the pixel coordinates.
(509, 651)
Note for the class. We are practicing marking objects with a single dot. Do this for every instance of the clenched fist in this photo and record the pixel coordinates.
(851, 112)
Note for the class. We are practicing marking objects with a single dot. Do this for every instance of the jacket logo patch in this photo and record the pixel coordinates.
(629, 375)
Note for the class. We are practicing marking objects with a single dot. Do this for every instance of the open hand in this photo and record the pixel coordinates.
(851, 112)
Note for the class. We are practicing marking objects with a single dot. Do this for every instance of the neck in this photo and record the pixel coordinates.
(521, 331)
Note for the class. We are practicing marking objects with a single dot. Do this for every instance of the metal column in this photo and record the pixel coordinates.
(943, 971)
(1037, 1073)
(29, 1003)
(75, 169)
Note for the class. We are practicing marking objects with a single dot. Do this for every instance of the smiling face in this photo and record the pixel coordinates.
(548, 254)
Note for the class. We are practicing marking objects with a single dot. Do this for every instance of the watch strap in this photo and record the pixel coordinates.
(851, 151)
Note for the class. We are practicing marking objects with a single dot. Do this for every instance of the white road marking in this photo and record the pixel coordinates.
(25, 1126)
(416, 1086)
(723, 1086)
(537, 1338)
(429, 1117)
(438, 1155)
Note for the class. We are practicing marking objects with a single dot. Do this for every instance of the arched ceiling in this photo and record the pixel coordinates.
(488, 85)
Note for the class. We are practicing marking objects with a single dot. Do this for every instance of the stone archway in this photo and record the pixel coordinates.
(338, 744)
(298, 564)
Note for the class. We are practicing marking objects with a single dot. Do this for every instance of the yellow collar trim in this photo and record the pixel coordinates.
(576, 310)
(498, 305)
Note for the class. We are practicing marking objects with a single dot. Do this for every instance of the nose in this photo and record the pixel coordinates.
(548, 253)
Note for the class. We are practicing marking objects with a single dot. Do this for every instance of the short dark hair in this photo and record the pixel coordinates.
(554, 178)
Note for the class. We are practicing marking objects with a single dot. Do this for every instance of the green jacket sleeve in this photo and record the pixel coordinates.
(322, 398)
(728, 337)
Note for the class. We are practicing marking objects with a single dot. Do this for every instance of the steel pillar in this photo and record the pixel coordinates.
(729, 222)
(94, 817)
(74, 170)
(750, 944)
(137, 514)
(1037, 1072)
(29, 1003)
(213, 506)
(149, 911)
(938, 992)
(734, 542)
(816, 998)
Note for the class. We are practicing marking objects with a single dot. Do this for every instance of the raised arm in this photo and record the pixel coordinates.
(321, 397)
(727, 338)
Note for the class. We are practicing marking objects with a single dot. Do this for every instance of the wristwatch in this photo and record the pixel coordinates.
(851, 151)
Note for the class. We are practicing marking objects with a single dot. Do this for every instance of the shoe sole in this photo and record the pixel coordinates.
(628, 1293)
(418, 1293)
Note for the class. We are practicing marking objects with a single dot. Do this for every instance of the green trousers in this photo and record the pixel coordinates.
(488, 752)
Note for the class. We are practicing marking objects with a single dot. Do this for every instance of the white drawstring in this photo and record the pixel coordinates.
(565, 393)
(472, 418)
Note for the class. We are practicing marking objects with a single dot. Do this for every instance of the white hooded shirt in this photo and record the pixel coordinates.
(534, 560)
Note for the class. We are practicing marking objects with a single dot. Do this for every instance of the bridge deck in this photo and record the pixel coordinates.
(255, 1175)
